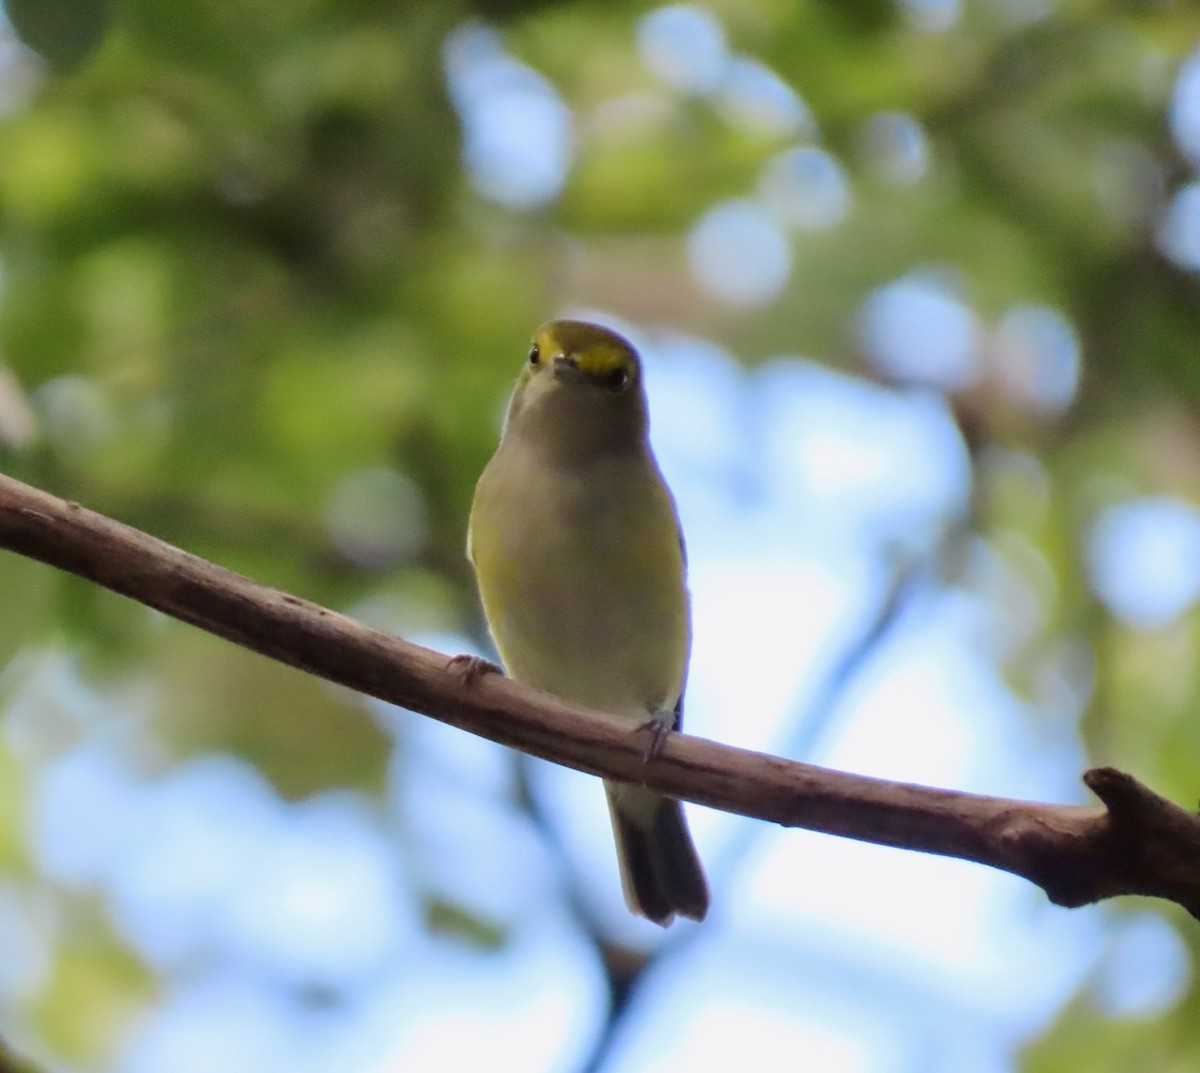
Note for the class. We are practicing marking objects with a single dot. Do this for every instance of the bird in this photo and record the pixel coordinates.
(581, 567)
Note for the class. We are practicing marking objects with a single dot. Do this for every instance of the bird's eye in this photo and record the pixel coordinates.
(535, 355)
(617, 379)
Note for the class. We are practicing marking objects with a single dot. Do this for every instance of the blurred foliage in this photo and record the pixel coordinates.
(241, 260)
(64, 31)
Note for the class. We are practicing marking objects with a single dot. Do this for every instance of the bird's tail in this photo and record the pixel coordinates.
(660, 871)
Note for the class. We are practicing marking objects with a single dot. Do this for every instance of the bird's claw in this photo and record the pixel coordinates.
(471, 668)
(657, 728)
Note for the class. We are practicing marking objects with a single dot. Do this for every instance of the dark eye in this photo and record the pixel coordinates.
(617, 379)
(535, 355)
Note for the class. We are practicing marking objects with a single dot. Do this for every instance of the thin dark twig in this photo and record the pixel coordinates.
(1134, 843)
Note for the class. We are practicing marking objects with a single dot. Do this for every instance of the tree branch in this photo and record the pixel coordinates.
(1134, 843)
(10, 1063)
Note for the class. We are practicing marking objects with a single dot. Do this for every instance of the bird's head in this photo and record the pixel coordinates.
(582, 386)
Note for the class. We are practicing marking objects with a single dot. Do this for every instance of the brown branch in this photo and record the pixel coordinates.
(10, 1063)
(1135, 843)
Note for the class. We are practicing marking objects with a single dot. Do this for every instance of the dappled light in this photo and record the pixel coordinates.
(738, 253)
(1144, 556)
(917, 330)
(914, 285)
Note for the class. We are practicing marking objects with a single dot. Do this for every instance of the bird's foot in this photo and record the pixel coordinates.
(657, 729)
(470, 669)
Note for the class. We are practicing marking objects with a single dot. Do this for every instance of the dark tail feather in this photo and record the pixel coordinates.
(660, 871)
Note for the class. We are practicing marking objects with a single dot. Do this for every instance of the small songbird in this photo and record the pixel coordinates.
(580, 561)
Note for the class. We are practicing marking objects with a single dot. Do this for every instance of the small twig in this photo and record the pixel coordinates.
(1136, 843)
(10, 1063)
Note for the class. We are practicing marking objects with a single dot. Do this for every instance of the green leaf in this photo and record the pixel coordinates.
(65, 32)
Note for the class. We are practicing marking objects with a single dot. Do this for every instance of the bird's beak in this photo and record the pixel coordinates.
(566, 368)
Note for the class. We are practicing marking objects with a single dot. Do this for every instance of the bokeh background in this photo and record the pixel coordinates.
(916, 287)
